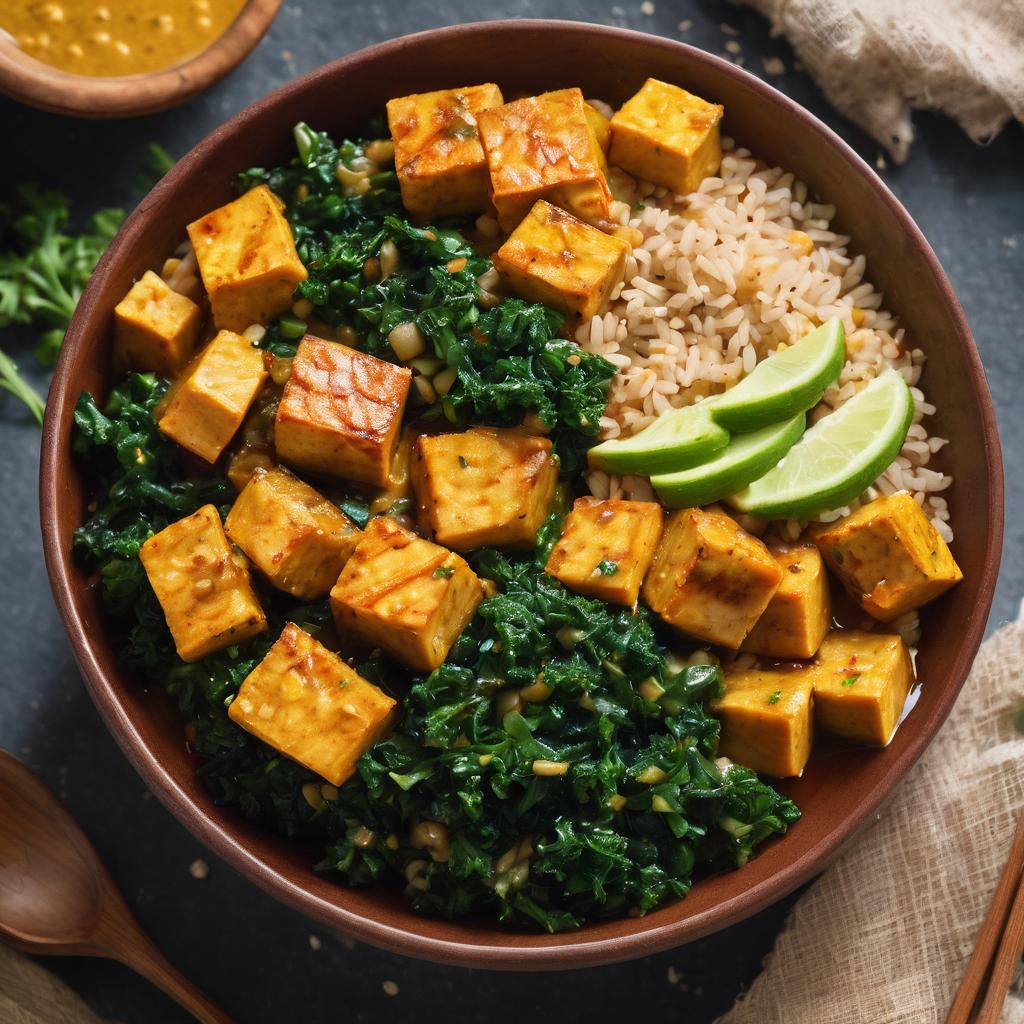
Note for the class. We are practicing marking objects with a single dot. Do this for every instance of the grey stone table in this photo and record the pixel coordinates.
(264, 962)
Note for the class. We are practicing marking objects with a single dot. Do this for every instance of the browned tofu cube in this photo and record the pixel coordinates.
(861, 682)
(600, 127)
(207, 405)
(249, 458)
(202, 585)
(606, 548)
(155, 328)
(710, 578)
(766, 720)
(410, 597)
(297, 538)
(442, 170)
(341, 412)
(247, 258)
(889, 556)
(542, 147)
(485, 487)
(553, 258)
(304, 701)
(798, 615)
(668, 136)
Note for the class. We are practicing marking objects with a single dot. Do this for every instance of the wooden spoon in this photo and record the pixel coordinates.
(57, 899)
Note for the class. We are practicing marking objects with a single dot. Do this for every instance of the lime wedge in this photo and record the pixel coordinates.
(748, 457)
(838, 458)
(786, 383)
(675, 440)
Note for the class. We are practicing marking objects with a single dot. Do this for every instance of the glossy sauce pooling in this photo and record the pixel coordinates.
(115, 37)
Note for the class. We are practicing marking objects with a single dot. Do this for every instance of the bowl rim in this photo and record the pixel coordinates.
(41, 85)
(522, 952)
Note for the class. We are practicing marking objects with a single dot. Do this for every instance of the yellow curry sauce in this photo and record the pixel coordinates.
(115, 37)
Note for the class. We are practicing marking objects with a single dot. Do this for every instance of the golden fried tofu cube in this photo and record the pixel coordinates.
(207, 405)
(766, 719)
(249, 458)
(304, 701)
(542, 147)
(155, 328)
(202, 585)
(606, 548)
(710, 578)
(861, 683)
(341, 412)
(600, 126)
(247, 259)
(486, 487)
(296, 537)
(601, 133)
(889, 556)
(442, 170)
(667, 135)
(553, 258)
(408, 596)
(798, 615)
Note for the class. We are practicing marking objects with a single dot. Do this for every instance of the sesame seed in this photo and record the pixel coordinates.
(314, 943)
(773, 65)
(390, 988)
(199, 869)
(647, 8)
(732, 46)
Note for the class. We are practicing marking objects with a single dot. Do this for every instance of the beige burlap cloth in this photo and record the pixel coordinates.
(884, 935)
(876, 60)
(30, 994)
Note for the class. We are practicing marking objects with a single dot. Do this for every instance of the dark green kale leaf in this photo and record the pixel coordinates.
(641, 802)
(142, 488)
(510, 362)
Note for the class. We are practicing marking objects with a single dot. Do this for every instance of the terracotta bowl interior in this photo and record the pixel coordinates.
(840, 788)
(30, 81)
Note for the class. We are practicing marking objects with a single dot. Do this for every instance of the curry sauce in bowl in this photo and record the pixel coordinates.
(105, 40)
(114, 58)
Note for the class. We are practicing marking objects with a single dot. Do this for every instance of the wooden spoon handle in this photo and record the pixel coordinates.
(145, 959)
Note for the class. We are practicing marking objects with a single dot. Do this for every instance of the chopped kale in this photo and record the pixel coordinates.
(510, 362)
(541, 674)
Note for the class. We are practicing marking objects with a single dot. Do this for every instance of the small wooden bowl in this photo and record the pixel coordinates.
(30, 81)
(841, 788)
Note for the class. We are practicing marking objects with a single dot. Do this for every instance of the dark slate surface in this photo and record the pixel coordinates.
(250, 953)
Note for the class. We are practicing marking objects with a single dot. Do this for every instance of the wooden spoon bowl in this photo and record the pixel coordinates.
(57, 899)
(28, 80)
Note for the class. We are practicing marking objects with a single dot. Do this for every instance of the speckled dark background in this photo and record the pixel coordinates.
(253, 955)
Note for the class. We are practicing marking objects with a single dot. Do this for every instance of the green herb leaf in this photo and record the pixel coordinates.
(775, 697)
(607, 568)
(850, 680)
(12, 382)
(444, 572)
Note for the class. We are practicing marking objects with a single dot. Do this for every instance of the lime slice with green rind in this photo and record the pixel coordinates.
(838, 458)
(786, 383)
(676, 440)
(747, 458)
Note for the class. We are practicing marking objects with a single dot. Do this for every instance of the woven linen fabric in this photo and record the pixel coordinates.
(876, 60)
(884, 936)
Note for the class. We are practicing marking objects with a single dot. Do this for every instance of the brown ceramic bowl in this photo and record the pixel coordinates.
(39, 85)
(840, 790)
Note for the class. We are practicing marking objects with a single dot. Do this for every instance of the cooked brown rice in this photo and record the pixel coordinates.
(721, 278)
